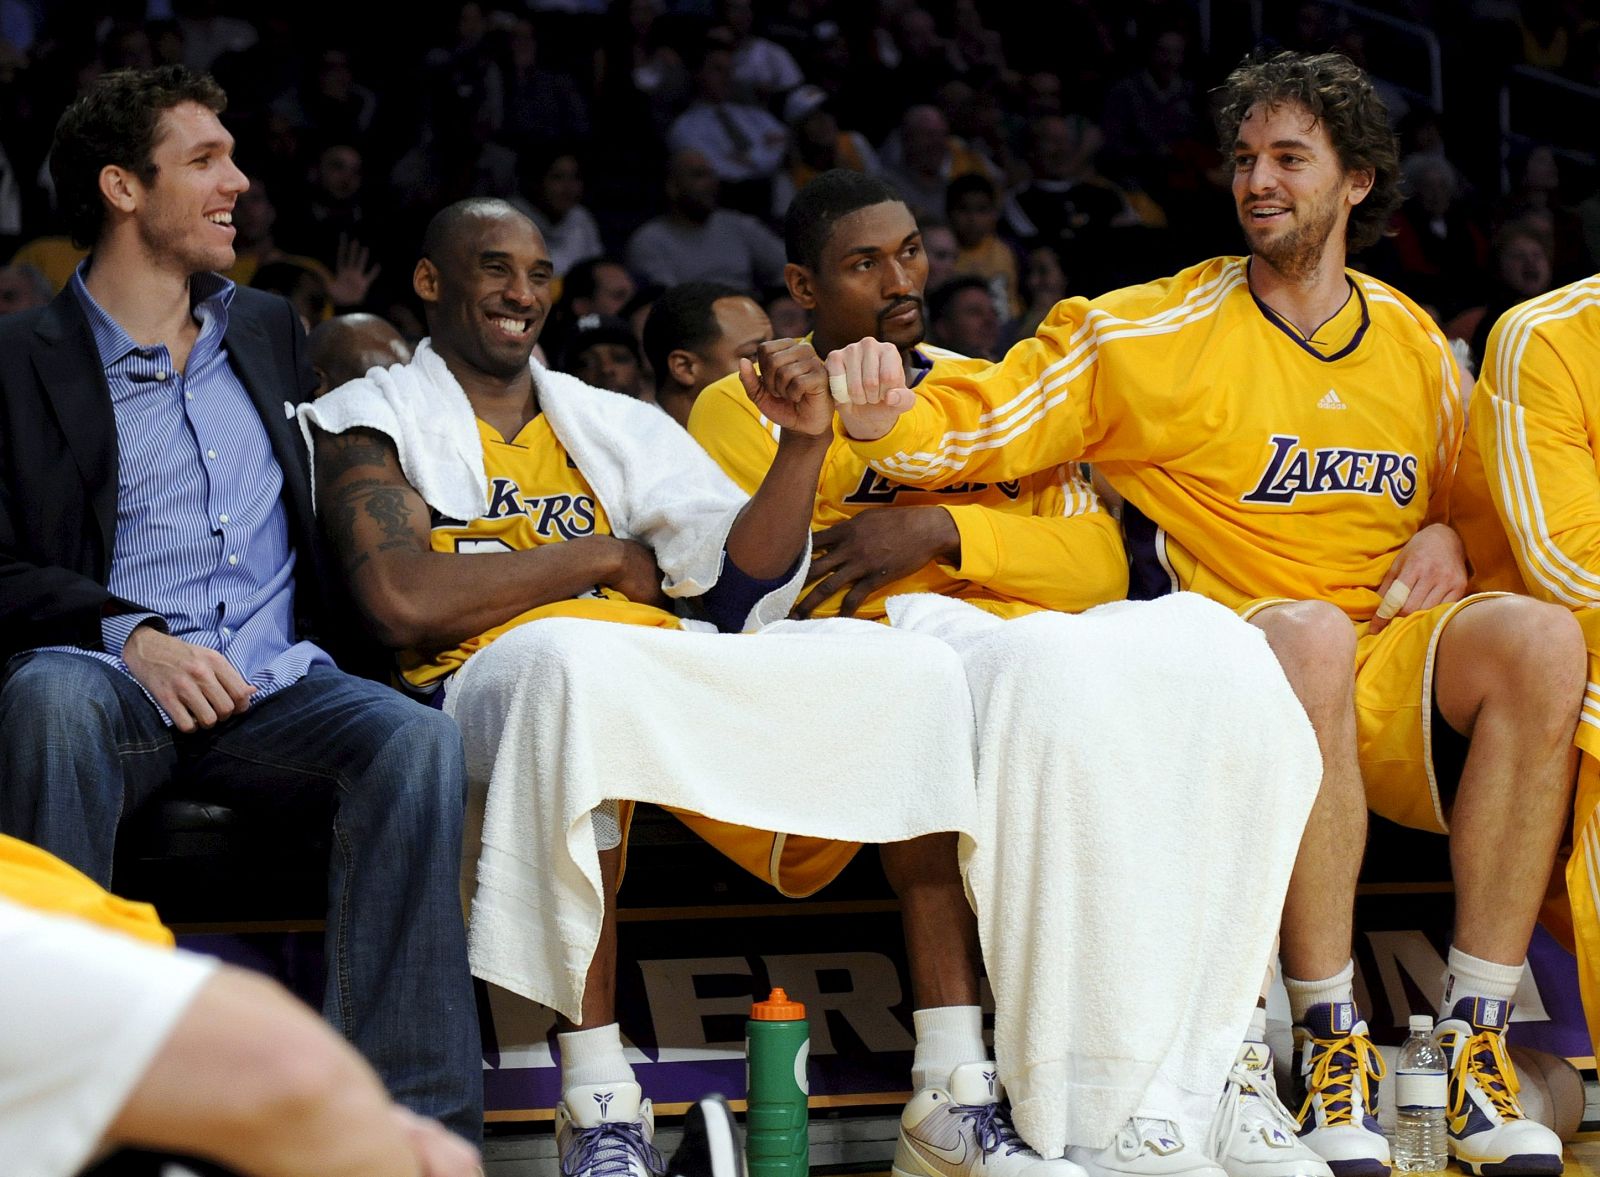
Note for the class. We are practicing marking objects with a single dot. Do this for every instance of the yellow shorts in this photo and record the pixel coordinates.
(1395, 714)
(794, 864)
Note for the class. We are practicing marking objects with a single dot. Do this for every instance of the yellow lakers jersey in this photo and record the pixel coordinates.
(1527, 496)
(1255, 462)
(536, 495)
(1041, 541)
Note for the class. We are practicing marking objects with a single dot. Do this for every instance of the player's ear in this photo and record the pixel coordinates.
(1361, 182)
(425, 280)
(681, 366)
(802, 287)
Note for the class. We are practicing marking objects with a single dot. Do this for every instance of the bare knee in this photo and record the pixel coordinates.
(1518, 652)
(1315, 644)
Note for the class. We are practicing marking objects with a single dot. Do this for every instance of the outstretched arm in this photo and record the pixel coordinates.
(416, 598)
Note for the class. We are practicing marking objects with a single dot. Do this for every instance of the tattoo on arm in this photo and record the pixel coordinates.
(344, 452)
(389, 510)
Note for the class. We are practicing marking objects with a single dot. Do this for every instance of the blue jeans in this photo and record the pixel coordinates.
(80, 745)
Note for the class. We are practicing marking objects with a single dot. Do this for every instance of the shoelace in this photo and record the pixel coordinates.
(991, 1126)
(1483, 1058)
(610, 1149)
(1266, 1110)
(1356, 1058)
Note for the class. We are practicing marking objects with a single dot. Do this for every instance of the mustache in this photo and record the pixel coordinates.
(900, 304)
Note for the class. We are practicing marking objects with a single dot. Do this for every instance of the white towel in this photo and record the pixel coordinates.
(1144, 773)
(839, 729)
(655, 483)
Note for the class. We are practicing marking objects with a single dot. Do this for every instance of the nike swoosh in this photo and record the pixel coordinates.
(944, 1159)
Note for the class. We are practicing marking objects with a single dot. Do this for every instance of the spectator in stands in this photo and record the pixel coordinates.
(304, 286)
(1044, 283)
(942, 249)
(697, 333)
(922, 157)
(973, 206)
(695, 240)
(742, 142)
(1536, 196)
(762, 70)
(1524, 267)
(111, 1039)
(604, 352)
(457, 155)
(555, 191)
(332, 101)
(599, 286)
(158, 623)
(817, 145)
(543, 108)
(344, 347)
(333, 211)
(1150, 113)
(962, 318)
(22, 288)
(473, 625)
(1437, 247)
(1068, 203)
(639, 72)
(789, 319)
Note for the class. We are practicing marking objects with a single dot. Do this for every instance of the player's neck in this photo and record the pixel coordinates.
(150, 302)
(1306, 300)
(507, 404)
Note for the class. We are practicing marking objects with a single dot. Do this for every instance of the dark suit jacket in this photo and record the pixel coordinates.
(58, 472)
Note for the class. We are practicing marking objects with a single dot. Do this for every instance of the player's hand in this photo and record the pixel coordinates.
(874, 549)
(438, 1153)
(197, 687)
(1430, 570)
(790, 387)
(868, 380)
(637, 575)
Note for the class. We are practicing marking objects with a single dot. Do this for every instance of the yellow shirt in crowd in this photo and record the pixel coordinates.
(1255, 462)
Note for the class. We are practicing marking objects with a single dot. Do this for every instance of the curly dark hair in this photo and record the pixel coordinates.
(116, 122)
(1339, 96)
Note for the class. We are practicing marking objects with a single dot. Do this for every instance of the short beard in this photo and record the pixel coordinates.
(1298, 255)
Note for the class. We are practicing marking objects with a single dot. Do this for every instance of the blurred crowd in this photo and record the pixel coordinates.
(657, 142)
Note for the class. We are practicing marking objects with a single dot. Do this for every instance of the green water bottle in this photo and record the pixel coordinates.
(777, 1047)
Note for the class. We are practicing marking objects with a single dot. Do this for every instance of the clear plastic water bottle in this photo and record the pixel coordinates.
(1420, 1094)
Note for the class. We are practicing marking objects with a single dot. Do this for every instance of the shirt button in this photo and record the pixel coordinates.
(163, 376)
(212, 454)
(222, 518)
(233, 559)
(226, 632)
(188, 396)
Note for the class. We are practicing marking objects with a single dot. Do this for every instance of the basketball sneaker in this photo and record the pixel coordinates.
(1253, 1134)
(606, 1130)
(1336, 1073)
(711, 1146)
(1489, 1134)
(1146, 1146)
(966, 1131)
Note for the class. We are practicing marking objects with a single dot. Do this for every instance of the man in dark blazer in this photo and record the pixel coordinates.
(163, 615)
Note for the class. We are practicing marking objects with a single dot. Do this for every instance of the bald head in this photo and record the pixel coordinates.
(459, 222)
(343, 348)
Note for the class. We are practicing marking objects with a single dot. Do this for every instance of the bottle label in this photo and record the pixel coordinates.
(1420, 1089)
(801, 1057)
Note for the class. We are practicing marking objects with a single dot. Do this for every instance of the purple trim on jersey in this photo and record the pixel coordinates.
(1283, 325)
(727, 603)
(921, 365)
(1147, 579)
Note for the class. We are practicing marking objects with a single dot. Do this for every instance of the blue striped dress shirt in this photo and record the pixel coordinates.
(202, 539)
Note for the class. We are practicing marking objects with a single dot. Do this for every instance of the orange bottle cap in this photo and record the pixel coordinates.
(777, 1008)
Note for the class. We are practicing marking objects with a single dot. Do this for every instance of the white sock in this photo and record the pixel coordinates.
(590, 1057)
(1467, 976)
(1258, 1025)
(1305, 994)
(948, 1036)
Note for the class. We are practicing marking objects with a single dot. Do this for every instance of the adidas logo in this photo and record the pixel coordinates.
(1331, 400)
(603, 1098)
